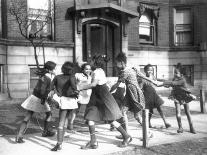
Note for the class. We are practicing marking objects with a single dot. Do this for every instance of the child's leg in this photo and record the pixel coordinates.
(23, 127)
(150, 116)
(127, 138)
(47, 125)
(178, 116)
(167, 125)
(138, 117)
(187, 112)
(72, 118)
(60, 131)
(92, 144)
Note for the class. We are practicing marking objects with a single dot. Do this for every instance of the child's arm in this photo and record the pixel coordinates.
(142, 76)
(114, 87)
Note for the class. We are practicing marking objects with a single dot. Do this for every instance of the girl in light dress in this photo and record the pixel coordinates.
(37, 101)
(83, 78)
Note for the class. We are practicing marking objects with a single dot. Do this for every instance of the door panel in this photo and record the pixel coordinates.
(99, 39)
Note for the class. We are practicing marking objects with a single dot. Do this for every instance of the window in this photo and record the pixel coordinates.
(33, 77)
(183, 27)
(147, 29)
(40, 19)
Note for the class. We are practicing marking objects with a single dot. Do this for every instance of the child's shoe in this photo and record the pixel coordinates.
(192, 130)
(19, 140)
(167, 125)
(57, 147)
(48, 133)
(180, 130)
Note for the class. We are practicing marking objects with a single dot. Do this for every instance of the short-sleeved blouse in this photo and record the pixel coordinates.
(82, 80)
(99, 75)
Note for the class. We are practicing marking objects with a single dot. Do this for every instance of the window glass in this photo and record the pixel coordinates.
(147, 28)
(183, 27)
(40, 19)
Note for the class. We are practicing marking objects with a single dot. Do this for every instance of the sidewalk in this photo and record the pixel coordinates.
(35, 144)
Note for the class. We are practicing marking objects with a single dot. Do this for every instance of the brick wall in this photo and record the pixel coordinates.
(63, 23)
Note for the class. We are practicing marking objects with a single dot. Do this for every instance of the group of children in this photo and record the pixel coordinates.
(70, 90)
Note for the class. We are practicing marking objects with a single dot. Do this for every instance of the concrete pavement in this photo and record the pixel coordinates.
(108, 144)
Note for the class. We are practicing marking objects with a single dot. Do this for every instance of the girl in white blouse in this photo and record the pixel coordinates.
(102, 106)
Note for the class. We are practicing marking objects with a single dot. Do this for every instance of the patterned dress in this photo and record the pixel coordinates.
(134, 98)
(102, 106)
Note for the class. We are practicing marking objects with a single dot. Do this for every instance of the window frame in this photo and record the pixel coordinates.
(189, 27)
(153, 28)
(50, 25)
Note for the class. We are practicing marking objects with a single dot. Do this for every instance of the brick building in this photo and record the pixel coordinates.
(159, 32)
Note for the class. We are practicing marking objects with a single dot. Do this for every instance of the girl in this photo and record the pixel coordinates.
(181, 96)
(152, 99)
(65, 90)
(102, 106)
(36, 101)
(82, 79)
(134, 100)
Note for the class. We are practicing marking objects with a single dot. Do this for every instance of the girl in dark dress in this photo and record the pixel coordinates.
(102, 106)
(181, 96)
(66, 94)
(152, 99)
(37, 101)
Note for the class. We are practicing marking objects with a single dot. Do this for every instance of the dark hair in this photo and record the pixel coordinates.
(67, 68)
(99, 61)
(50, 65)
(180, 68)
(84, 65)
(121, 57)
(147, 67)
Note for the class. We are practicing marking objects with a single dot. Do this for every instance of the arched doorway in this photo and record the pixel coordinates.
(101, 37)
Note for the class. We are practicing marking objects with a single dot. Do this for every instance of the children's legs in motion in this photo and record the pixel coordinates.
(60, 131)
(92, 144)
(124, 123)
(187, 112)
(178, 116)
(126, 137)
(47, 126)
(72, 118)
(23, 127)
(138, 117)
(167, 125)
(150, 116)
